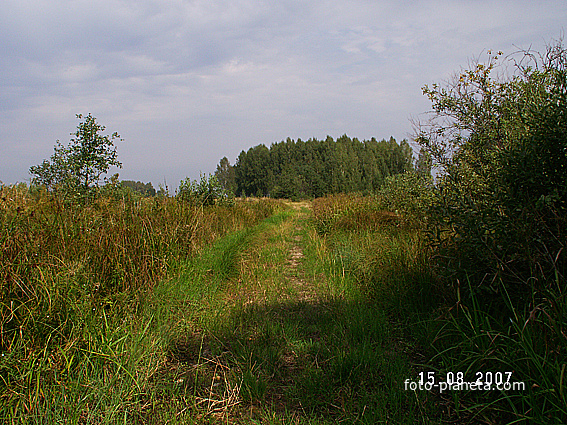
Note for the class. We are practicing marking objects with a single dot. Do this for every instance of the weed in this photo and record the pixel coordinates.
(78, 313)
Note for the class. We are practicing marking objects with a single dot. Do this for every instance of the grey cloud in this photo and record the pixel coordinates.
(197, 80)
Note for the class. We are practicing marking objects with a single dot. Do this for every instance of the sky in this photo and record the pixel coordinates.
(187, 82)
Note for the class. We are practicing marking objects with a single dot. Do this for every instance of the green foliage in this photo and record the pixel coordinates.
(206, 191)
(404, 200)
(53, 174)
(144, 189)
(423, 164)
(253, 172)
(498, 226)
(299, 170)
(382, 249)
(411, 195)
(226, 176)
(290, 186)
(367, 254)
(501, 146)
(78, 167)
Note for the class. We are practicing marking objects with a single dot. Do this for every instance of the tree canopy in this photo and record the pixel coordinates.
(500, 144)
(81, 164)
(312, 168)
(144, 189)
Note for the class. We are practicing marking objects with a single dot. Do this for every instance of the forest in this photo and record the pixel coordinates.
(314, 168)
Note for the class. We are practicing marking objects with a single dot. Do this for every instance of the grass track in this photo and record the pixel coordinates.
(281, 335)
(268, 325)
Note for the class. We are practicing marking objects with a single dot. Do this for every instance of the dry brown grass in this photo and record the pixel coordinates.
(351, 212)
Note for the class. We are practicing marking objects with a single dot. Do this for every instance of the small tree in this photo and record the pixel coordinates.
(501, 147)
(81, 164)
(206, 191)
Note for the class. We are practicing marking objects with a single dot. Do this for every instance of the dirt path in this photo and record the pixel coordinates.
(280, 344)
(268, 333)
(304, 290)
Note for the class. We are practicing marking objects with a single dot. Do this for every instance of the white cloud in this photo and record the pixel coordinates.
(79, 72)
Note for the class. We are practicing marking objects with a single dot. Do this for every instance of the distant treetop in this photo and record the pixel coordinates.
(297, 169)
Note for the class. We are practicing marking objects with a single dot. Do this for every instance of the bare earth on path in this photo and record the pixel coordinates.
(284, 339)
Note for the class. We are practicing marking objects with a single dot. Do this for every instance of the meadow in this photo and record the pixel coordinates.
(454, 328)
(77, 284)
(154, 310)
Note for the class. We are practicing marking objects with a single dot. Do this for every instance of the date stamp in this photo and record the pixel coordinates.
(456, 381)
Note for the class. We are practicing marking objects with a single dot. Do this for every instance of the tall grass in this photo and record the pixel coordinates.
(379, 258)
(347, 212)
(528, 342)
(74, 279)
(393, 262)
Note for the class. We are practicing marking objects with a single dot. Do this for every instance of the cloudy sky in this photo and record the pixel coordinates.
(186, 82)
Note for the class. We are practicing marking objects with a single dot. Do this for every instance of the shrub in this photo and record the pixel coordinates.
(499, 229)
(501, 147)
(206, 191)
(409, 194)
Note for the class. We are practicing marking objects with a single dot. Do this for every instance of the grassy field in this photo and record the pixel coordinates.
(153, 312)
(268, 326)
(80, 322)
(449, 329)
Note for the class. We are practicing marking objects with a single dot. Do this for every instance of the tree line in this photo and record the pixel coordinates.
(302, 169)
(291, 169)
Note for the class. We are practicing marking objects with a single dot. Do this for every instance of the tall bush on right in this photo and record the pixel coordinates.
(500, 145)
(499, 229)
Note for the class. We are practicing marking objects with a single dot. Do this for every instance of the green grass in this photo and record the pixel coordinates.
(268, 353)
(81, 330)
(256, 313)
(443, 332)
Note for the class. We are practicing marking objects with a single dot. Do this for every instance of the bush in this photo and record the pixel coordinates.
(499, 228)
(409, 194)
(501, 147)
(206, 191)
